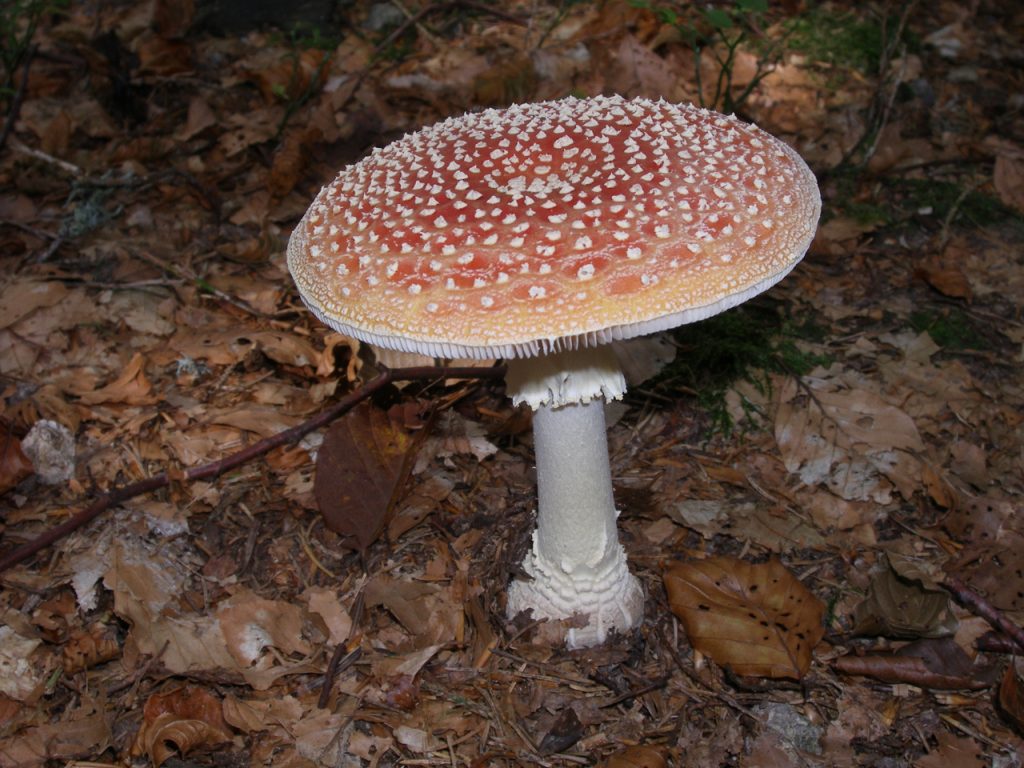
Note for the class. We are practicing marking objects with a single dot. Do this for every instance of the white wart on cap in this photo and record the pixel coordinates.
(558, 225)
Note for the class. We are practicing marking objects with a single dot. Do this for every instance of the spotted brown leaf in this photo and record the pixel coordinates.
(757, 620)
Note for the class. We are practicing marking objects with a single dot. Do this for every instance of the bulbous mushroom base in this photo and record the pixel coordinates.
(609, 596)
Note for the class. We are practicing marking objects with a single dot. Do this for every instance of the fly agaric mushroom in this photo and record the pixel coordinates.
(540, 233)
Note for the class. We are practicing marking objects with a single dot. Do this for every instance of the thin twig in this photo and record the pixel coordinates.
(415, 19)
(187, 274)
(347, 653)
(19, 96)
(38, 154)
(215, 469)
(661, 682)
(954, 209)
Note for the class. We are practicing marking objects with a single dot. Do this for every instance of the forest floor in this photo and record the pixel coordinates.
(858, 430)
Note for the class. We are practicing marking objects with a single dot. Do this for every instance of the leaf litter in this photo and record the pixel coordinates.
(146, 308)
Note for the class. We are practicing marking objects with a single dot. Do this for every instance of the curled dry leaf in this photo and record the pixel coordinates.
(180, 721)
(168, 735)
(937, 664)
(757, 620)
(87, 648)
(636, 757)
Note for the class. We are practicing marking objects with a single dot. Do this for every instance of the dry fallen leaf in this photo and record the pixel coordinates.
(831, 430)
(566, 731)
(948, 281)
(899, 607)
(21, 673)
(939, 664)
(131, 387)
(168, 734)
(1008, 174)
(14, 464)
(635, 757)
(426, 611)
(1011, 697)
(180, 721)
(953, 752)
(82, 731)
(86, 648)
(359, 469)
(19, 298)
(757, 620)
(991, 561)
(251, 623)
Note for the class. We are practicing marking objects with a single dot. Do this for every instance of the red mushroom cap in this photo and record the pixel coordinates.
(558, 225)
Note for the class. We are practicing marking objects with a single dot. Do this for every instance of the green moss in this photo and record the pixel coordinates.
(950, 328)
(975, 208)
(839, 38)
(745, 343)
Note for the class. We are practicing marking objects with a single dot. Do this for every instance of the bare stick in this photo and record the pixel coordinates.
(979, 606)
(19, 96)
(214, 469)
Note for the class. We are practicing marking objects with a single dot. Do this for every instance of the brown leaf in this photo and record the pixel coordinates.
(14, 464)
(941, 492)
(938, 664)
(168, 735)
(280, 74)
(635, 757)
(427, 611)
(949, 281)
(953, 752)
(899, 607)
(249, 623)
(969, 463)
(172, 18)
(19, 298)
(9, 709)
(180, 721)
(290, 160)
(755, 619)
(189, 702)
(130, 388)
(79, 733)
(89, 647)
(1011, 697)
(565, 732)
(992, 558)
(359, 471)
(200, 117)
(1008, 174)
(225, 347)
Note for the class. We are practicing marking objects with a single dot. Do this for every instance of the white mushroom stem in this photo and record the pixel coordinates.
(576, 565)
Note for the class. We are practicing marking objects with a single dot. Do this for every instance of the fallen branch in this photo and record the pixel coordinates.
(979, 606)
(217, 468)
